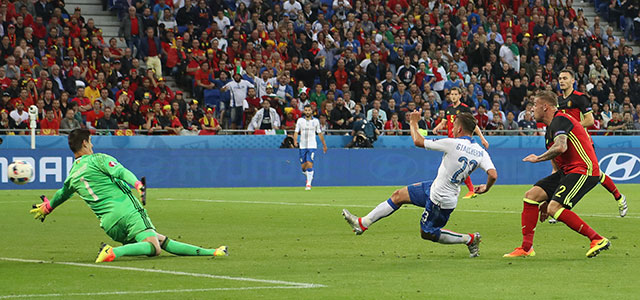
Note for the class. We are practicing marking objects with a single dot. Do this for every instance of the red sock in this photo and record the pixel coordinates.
(529, 221)
(577, 224)
(469, 183)
(610, 186)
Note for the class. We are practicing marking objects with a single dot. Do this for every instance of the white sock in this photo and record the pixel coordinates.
(382, 210)
(450, 237)
(309, 176)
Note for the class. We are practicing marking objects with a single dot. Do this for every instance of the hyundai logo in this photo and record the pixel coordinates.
(620, 166)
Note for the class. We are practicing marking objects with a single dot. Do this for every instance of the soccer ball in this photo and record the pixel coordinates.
(20, 172)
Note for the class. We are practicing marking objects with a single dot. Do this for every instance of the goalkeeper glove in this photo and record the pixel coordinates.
(41, 210)
(141, 187)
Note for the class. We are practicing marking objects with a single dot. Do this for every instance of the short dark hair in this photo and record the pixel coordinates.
(307, 105)
(77, 137)
(467, 121)
(548, 97)
(573, 75)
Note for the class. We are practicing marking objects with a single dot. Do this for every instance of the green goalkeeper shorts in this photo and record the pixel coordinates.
(134, 227)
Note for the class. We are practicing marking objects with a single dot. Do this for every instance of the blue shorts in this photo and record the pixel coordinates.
(433, 218)
(306, 155)
(420, 193)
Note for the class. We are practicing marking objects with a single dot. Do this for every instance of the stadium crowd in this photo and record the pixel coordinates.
(254, 64)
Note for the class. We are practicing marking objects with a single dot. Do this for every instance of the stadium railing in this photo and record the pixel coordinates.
(330, 131)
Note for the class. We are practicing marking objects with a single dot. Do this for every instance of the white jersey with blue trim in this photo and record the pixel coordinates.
(461, 157)
(307, 129)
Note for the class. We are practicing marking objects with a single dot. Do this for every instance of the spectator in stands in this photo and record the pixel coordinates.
(69, 122)
(401, 96)
(341, 117)
(20, 117)
(210, 125)
(511, 125)
(105, 100)
(92, 91)
(239, 88)
(49, 125)
(496, 123)
(6, 123)
(340, 48)
(495, 110)
(107, 121)
(151, 51)
(265, 118)
(628, 123)
(377, 105)
(527, 124)
(394, 127)
(616, 123)
(131, 31)
(481, 117)
(190, 125)
(94, 115)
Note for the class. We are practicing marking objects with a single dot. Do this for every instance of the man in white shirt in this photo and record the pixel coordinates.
(292, 7)
(307, 128)
(238, 88)
(440, 196)
(223, 22)
(19, 116)
(508, 56)
(262, 82)
(266, 118)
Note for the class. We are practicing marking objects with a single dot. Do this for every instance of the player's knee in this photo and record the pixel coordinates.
(161, 238)
(532, 195)
(553, 208)
(395, 197)
(428, 236)
(157, 248)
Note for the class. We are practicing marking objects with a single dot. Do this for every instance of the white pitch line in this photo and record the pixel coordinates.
(154, 291)
(370, 206)
(288, 283)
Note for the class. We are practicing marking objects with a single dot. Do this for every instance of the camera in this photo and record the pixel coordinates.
(33, 112)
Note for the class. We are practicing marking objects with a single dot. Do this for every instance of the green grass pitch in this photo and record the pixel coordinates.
(287, 243)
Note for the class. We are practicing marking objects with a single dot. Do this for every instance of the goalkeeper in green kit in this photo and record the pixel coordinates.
(104, 185)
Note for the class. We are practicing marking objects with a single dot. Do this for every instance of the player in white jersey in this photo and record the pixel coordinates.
(440, 196)
(307, 128)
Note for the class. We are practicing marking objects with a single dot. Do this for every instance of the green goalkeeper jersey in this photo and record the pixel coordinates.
(102, 183)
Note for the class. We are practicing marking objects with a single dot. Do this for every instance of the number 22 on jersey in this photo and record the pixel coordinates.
(472, 164)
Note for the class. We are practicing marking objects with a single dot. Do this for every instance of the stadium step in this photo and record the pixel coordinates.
(589, 12)
(109, 23)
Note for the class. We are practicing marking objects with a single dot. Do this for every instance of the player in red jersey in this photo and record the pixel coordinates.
(578, 106)
(451, 112)
(575, 172)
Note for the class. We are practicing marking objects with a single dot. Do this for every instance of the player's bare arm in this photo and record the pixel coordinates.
(587, 120)
(492, 176)
(484, 141)
(418, 139)
(295, 139)
(324, 144)
(439, 127)
(559, 147)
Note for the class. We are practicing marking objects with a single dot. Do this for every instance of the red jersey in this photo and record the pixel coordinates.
(93, 117)
(49, 127)
(451, 112)
(580, 157)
